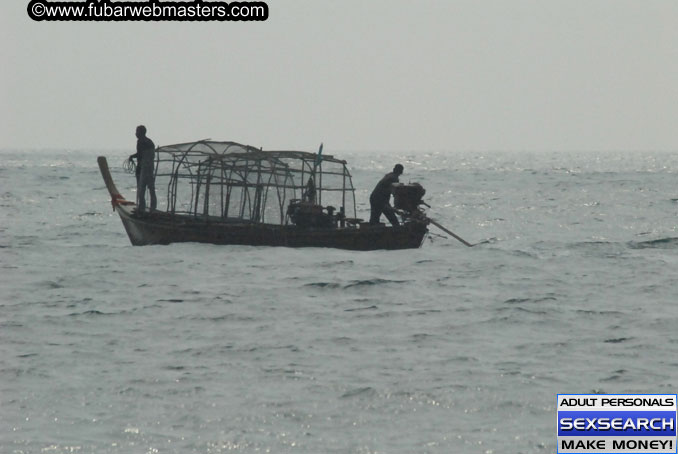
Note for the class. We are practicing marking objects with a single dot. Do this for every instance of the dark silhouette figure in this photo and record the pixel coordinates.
(380, 197)
(145, 157)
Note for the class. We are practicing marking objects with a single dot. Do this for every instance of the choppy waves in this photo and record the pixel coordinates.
(198, 348)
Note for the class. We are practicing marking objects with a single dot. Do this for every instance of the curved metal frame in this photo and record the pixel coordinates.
(231, 165)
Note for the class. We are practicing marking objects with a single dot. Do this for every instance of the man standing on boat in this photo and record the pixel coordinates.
(145, 157)
(379, 200)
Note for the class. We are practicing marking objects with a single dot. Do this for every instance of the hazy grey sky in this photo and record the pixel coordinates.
(359, 75)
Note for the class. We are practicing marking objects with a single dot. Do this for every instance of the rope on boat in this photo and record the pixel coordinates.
(117, 200)
(129, 166)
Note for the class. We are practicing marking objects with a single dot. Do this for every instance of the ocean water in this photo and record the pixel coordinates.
(193, 348)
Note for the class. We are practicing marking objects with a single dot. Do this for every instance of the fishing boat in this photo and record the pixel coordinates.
(229, 193)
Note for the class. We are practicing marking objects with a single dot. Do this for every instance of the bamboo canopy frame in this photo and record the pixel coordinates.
(231, 182)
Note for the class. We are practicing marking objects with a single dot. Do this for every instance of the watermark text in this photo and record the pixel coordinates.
(152, 10)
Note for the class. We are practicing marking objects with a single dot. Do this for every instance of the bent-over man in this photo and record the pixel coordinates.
(380, 197)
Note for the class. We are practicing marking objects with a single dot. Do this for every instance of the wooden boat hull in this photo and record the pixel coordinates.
(159, 229)
(163, 228)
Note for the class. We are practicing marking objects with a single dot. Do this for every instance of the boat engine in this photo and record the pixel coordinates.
(407, 197)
